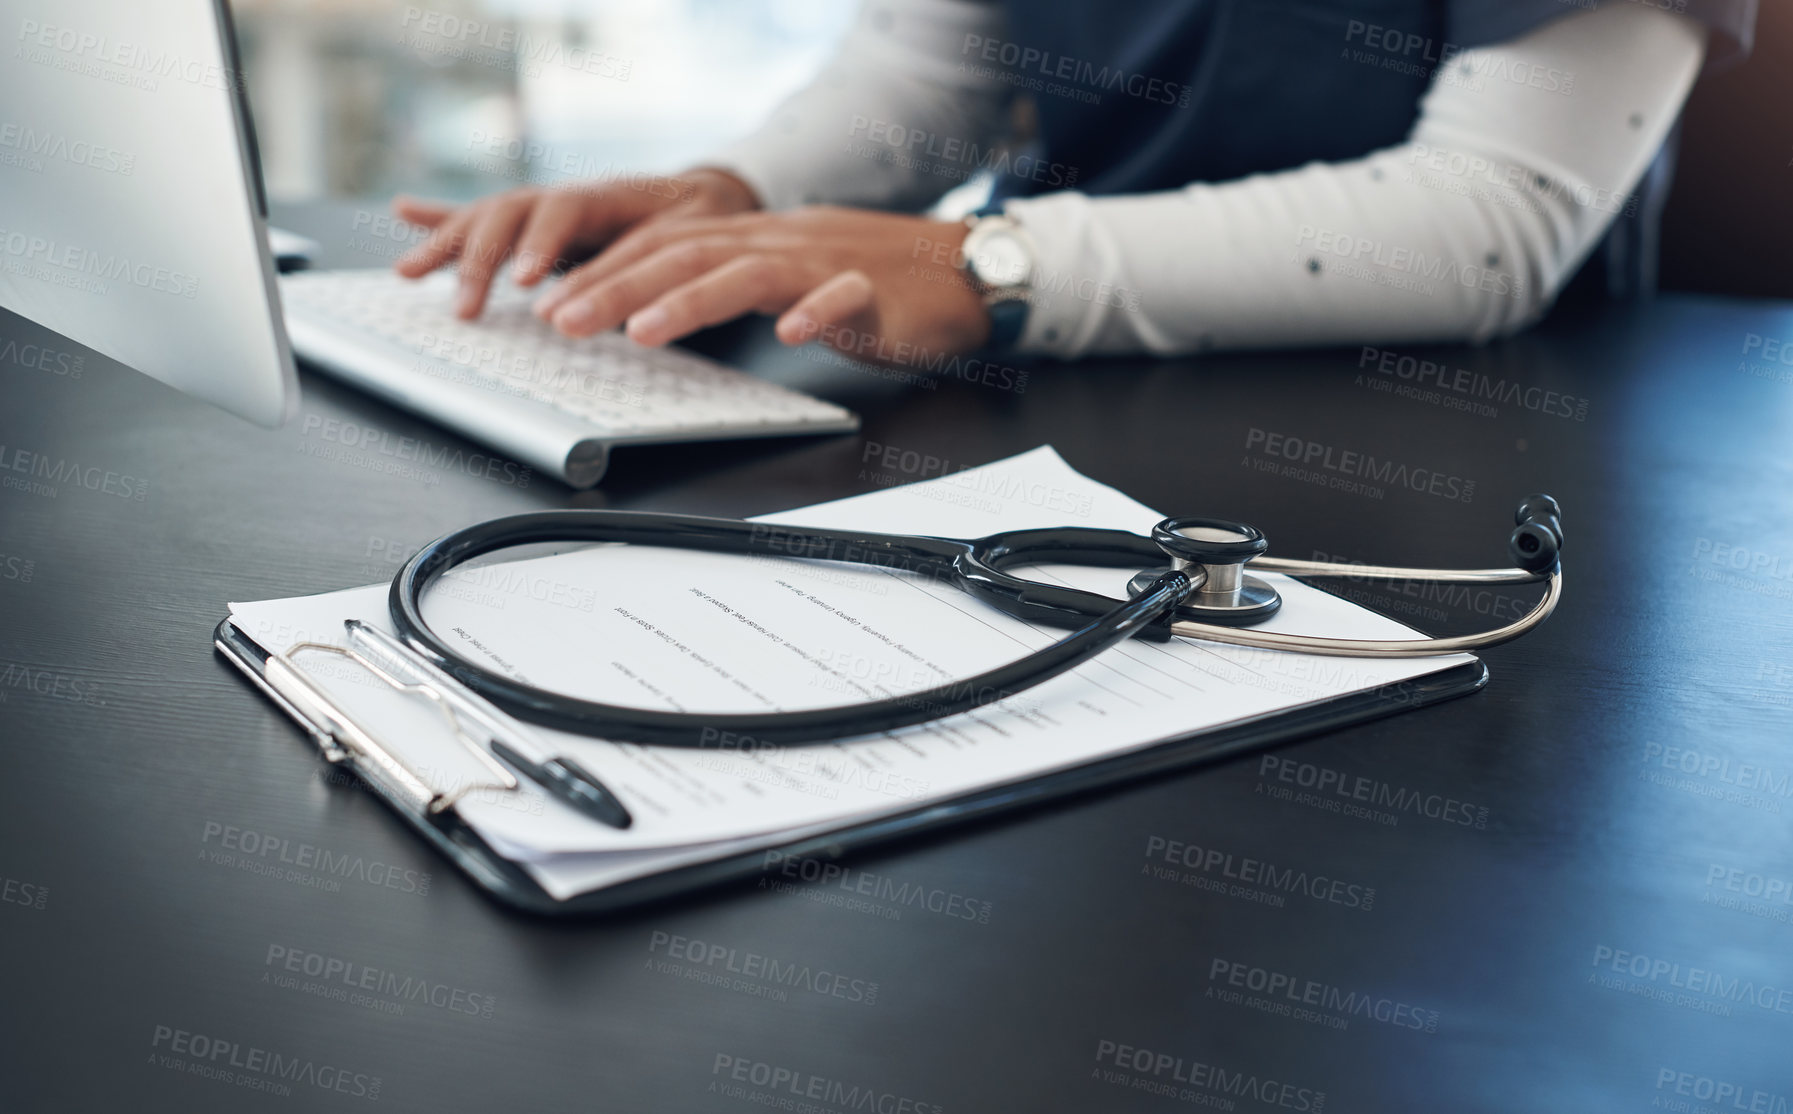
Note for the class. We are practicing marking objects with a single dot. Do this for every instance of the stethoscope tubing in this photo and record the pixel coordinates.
(942, 558)
(975, 566)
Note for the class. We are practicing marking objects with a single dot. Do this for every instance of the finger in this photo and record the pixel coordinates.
(644, 240)
(443, 245)
(606, 304)
(838, 301)
(743, 284)
(551, 228)
(489, 241)
(421, 211)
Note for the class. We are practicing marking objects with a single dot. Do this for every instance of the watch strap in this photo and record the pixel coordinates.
(1008, 317)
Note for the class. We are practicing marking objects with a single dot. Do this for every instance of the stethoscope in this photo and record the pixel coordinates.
(1205, 593)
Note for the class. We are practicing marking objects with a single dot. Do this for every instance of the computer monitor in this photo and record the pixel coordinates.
(131, 213)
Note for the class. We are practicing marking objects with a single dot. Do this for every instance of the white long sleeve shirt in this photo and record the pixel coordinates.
(1522, 155)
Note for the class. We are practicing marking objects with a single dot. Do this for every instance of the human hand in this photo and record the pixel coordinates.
(539, 228)
(875, 285)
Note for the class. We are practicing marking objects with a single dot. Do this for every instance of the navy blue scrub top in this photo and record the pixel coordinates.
(1139, 95)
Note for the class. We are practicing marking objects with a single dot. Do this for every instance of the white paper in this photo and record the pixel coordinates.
(678, 629)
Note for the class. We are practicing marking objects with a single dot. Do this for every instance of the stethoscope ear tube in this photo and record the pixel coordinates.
(1382, 647)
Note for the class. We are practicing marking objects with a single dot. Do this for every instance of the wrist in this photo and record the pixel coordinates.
(946, 242)
(723, 190)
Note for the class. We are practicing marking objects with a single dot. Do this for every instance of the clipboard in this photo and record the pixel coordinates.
(431, 810)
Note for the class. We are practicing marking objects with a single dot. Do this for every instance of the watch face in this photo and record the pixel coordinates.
(999, 258)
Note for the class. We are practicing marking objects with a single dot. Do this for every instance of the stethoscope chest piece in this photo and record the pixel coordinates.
(1215, 551)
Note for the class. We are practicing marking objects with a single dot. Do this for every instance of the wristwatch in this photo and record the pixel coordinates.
(998, 260)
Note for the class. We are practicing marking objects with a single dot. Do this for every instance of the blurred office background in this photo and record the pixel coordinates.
(361, 98)
(456, 98)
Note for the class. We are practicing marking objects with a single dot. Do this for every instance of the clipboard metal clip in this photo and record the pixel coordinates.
(341, 739)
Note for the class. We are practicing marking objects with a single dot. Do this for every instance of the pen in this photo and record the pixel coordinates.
(571, 783)
(563, 778)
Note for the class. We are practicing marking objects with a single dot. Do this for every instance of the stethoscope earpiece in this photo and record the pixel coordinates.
(1537, 540)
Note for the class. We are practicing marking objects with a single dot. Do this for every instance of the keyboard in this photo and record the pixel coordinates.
(487, 377)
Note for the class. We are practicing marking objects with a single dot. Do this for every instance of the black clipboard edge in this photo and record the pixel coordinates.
(513, 887)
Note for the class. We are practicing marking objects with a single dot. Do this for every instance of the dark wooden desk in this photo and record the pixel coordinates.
(1582, 876)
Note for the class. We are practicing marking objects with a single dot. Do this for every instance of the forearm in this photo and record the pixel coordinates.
(859, 134)
(1466, 232)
